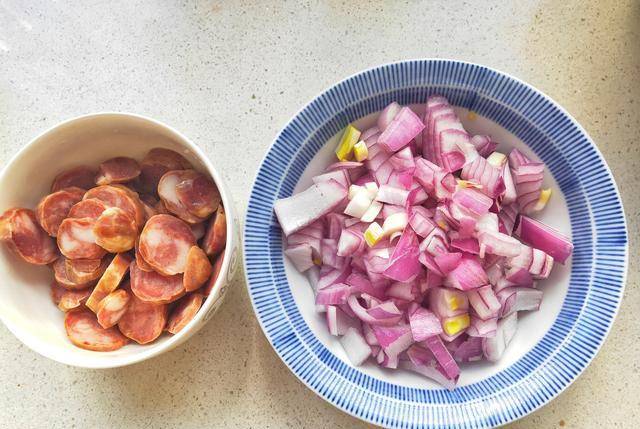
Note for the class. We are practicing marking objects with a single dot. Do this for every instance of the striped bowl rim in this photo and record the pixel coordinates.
(598, 271)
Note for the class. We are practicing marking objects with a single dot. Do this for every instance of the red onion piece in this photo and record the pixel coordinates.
(519, 299)
(403, 264)
(484, 302)
(495, 346)
(469, 274)
(424, 324)
(447, 302)
(545, 238)
(339, 322)
(340, 176)
(387, 116)
(355, 346)
(442, 355)
(482, 328)
(401, 130)
(302, 209)
(300, 256)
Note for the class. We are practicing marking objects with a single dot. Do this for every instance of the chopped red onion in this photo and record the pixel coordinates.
(302, 209)
(424, 324)
(495, 346)
(545, 238)
(442, 277)
(355, 346)
(401, 130)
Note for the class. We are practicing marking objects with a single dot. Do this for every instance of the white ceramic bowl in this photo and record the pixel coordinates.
(25, 303)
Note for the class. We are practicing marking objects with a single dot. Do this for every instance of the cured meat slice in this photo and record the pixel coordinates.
(82, 177)
(73, 299)
(217, 267)
(57, 292)
(115, 230)
(164, 244)
(91, 208)
(117, 170)
(143, 321)
(112, 308)
(153, 287)
(86, 271)
(121, 197)
(168, 192)
(198, 230)
(161, 208)
(148, 204)
(110, 280)
(54, 208)
(149, 199)
(198, 269)
(142, 264)
(76, 239)
(156, 163)
(189, 193)
(84, 331)
(198, 194)
(6, 225)
(61, 275)
(184, 312)
(21, 231)
(216, 237)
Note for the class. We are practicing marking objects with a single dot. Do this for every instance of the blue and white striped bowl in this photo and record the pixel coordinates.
(552, 347)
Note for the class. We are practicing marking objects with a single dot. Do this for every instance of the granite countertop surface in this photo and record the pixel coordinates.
(230, 74)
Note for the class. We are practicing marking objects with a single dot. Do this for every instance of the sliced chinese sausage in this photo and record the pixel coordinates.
(117, 170)
(143, 321)
(189, 194)
(82, 177)
(184, 312)
(148, 204)
(85, 271)
(5, 224)
(115, 230)
(161, 208)
(198, 269)
(121, 197)
(217, 267)
(54, 208)
(165, 242)
(156, 163)
(198, 230)
(61, 275)
(197, 192)
(110, 280)
(84, 331)
(57, 292)
(216, 237)
(112, 308)
(168, 192)
(76, 239)
(153, 287)
(148, 199)
(24, 236)
(91, 208)
(142, 264)
(73, 299)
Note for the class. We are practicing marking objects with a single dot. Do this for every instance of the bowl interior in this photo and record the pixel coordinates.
(25, 302)
(532, 326)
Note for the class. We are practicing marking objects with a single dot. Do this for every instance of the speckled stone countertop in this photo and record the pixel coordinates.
(230, 75)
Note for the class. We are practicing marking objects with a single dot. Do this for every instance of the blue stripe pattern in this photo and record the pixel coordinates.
(598, 228)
